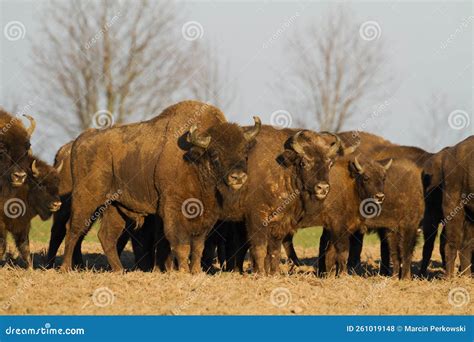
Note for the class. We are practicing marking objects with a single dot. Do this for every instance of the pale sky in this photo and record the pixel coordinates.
(429, 47)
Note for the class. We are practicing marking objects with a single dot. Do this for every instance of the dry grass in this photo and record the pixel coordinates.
(101, 292)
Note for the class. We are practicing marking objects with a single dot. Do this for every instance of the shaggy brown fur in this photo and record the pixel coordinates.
(342, 213)
(373, 146)
(38, 196)
(275, 203)
(144, 163)
(458, 204)
(14, 148)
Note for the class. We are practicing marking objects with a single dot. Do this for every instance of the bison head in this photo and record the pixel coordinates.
(313, 155)
(43, 188)
(15, 149)
(223, 151)
(370, 178)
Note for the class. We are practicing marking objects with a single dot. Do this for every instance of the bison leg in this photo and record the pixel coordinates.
(431, 219)
(290, 249)
(3, 241)
(210, 246)
(164, 257)
(123, 240)
(407, 248)
(323, 246)
(330, 257)
(58, 230)
(355, 250)
(454, 227)
(342, 250)
(83, 207)
(394, 247)
(236, 247)
(272, 261)
(442, 246)
(111, 229)
(384, 252)
(197, 246)
(22, 242)
(257, 234)
(467, 248)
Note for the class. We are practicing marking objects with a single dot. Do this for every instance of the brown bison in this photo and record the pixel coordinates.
(14, 149)
(38, 196)
(276, 204)
(356, 202)
(143, 239)
(145, 165)
(374, 147)
(458, 204)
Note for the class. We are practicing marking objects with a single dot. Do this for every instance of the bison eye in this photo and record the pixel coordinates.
(365, 178)
(304, 163)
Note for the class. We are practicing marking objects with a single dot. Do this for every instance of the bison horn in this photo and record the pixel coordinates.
(387, 166)
(351, 149)
(336, 146)
(32, 127)
(296, 145)
(196, 139)
(35, 170)
(251, 133)
(359, 167)
(60, 166)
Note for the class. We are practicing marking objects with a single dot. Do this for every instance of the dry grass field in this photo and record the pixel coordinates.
(98, 291)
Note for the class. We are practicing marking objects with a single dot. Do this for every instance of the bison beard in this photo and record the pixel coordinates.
(140, 160)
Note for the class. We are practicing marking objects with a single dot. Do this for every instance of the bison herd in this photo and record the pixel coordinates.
(187, 185)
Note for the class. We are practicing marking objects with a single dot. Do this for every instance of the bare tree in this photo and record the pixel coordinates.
(127, 58)
(335, 65)
(211, 81)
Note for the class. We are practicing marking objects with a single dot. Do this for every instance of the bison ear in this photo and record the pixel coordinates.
(287, 158)
(194, 154)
